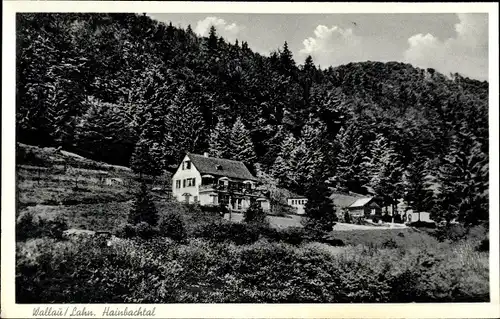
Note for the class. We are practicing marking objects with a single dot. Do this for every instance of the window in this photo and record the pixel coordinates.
(178, 183)
(190, 182)
(373, 211)
(195, 198)
(186, 165)
(183, 183)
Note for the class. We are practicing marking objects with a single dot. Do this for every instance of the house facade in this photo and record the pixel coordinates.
(214, 181)
(298, 203)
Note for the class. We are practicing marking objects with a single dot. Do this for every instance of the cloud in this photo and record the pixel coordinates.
(333, 46)
(466, 52)
(228, 31)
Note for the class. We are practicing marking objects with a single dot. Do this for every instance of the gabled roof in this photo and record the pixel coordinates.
(361, 202)
(221, 167)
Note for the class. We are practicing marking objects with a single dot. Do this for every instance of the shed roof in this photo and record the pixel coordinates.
(221, 167)
(361, 202)
(343, 200)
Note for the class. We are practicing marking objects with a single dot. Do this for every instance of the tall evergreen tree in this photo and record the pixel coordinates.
(320, 211)
(241, 145)
(143, 208)
(212, 39)
(186, 128)
(220, 140)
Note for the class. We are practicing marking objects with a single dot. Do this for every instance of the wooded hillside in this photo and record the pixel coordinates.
(129, 90)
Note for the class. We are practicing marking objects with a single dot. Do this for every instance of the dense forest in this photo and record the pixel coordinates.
(129, 90)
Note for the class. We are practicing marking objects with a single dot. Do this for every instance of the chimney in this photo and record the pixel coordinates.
(205, 154)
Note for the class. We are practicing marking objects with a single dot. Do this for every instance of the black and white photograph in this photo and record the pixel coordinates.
(251, 158)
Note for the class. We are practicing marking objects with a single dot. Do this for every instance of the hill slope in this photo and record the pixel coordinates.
(129, 90)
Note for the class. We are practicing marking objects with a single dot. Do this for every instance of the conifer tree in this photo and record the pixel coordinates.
(319, 209)
(219, 140)
(281, 167)
(462, 181)
(212, 39)
(186, 129)
(287, 63)
(350, 152)
(241, 145)
(143, 208)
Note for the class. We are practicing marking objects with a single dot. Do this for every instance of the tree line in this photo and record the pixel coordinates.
(129, 90)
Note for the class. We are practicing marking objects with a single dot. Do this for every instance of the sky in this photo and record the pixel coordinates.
(446, 42)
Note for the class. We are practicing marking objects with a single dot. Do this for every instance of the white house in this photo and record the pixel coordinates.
(298, 202)
(211, 181)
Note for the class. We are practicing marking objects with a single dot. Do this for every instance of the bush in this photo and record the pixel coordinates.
(254, 214)
(143, 208)
(390, 243)
(290, 235)
(452, 232)
(172, 225)
(29, 226)
(26, 227)
(145, 230)
(422, 224)
(386, 218)
(54, 228)
(157, 271)
(221, 231)
(484, 245)
(126, 231)
(398, 219)
(332, 241)
(347, 217)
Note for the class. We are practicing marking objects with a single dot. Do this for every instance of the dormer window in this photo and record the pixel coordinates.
(218, 167)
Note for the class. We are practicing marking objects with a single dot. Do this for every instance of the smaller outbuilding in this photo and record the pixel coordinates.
(364, 207)
(299, 203)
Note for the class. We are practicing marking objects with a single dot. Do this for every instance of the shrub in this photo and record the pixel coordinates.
(143, 208)
(254, 214)
(220, 231)
(126, 231)
(290, 235)
(332, 241)
(172, 225)
(347, 217)
(484, 245)
(453, 232)
(54, 228)
(390, 243)
(398, 219)
(145, 230)
(156, 271)
(422, 224)
(375, 219)
(386, 218)
(26, 227)
(29, 226)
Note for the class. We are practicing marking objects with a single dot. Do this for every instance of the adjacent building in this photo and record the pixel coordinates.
(298, 203)
(214, 181)
(364, 207)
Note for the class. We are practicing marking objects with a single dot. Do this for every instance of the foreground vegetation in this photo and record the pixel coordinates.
(162, 271)
(165, 251)
(198, 257)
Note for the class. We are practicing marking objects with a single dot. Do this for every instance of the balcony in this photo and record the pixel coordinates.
(235, 189)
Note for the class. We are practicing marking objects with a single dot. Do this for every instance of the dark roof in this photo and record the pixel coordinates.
(221, 167)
